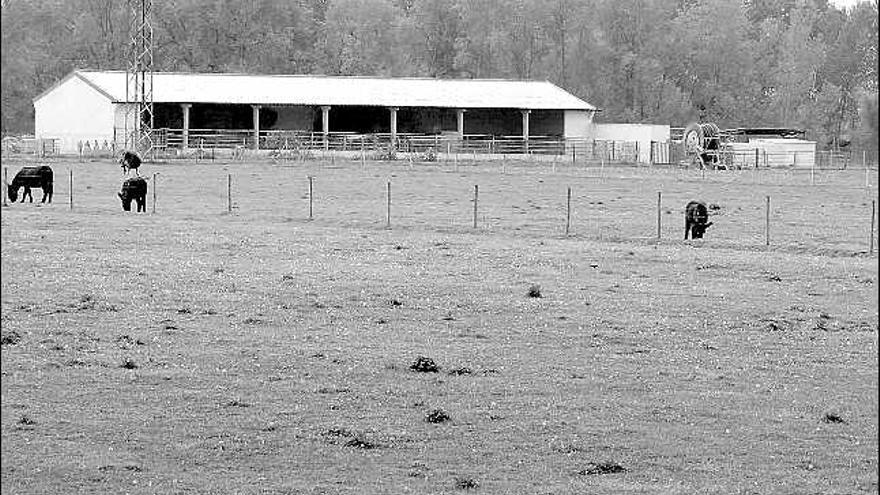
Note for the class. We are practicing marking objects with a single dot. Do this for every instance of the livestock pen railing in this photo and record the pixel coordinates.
(448, 146)
(386, 145)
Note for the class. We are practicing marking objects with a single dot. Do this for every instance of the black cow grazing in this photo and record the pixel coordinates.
(130, 161)
(696, 220)
(134, 188)
(29, 177)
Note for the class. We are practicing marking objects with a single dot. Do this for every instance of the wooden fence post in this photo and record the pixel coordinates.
(5, 183)
(70, 189)
(476, 200)
(568, 212)
(767, 223)
(311, 197)
(154, 192)
(229, 193)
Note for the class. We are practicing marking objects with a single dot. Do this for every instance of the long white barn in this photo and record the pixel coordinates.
(91, 105)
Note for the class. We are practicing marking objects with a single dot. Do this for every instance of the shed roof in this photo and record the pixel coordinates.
(169, 87)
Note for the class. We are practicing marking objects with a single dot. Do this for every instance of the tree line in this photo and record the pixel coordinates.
(749, 63)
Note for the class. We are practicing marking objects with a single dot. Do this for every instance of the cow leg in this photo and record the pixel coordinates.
(687, 228)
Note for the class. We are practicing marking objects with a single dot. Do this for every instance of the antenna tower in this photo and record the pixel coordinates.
(139, 78)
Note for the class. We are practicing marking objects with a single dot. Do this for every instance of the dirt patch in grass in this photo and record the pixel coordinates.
(461, 370)
(437, 416)
(832, 418)
(599, 468)
(424, 364)
(128, 364)
(10, 338)
(466, 483)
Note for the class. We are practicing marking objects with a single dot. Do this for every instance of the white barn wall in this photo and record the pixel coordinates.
(578, 124)
(74, 111)
(643, 134)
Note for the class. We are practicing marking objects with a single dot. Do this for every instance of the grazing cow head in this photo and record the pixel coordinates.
(126, 200)
(12, 192)
(698, 229)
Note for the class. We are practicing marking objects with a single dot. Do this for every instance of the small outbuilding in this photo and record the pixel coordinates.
(249, 109)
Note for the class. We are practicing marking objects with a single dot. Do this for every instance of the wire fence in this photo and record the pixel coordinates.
(833, 214)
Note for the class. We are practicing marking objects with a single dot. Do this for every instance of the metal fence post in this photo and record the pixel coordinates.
(659, 196)
(476, 200)
(871, 239)
(568, 212)
(311, 197)
(388, 211)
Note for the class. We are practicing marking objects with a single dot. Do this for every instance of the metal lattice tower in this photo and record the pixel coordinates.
(139, 78)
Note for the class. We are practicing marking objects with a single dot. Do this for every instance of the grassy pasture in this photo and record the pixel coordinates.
(195, 351)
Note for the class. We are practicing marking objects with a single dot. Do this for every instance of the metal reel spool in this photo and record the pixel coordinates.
(693, 139)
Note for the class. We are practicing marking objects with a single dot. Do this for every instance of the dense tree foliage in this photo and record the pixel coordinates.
(793, 63)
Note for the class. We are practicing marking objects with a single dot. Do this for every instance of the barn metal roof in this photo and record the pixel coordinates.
(342, 90)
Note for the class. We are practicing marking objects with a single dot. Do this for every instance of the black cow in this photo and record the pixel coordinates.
(134, 188)
(29, 177)
(130, 161)
(696, 220)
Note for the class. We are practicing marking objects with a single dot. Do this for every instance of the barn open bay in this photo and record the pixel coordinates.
(198, 351)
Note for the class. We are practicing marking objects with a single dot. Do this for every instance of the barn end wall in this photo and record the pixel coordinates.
(72, 112)
(578, 124)
(642, 134)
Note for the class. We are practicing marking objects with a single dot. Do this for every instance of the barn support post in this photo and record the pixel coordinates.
(459, 122)
(185, 107)
(393, 127)
(525, 129)
(325, 125)
(256, 110)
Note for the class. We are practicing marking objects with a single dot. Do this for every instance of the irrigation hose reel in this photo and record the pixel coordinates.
(702, 142)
